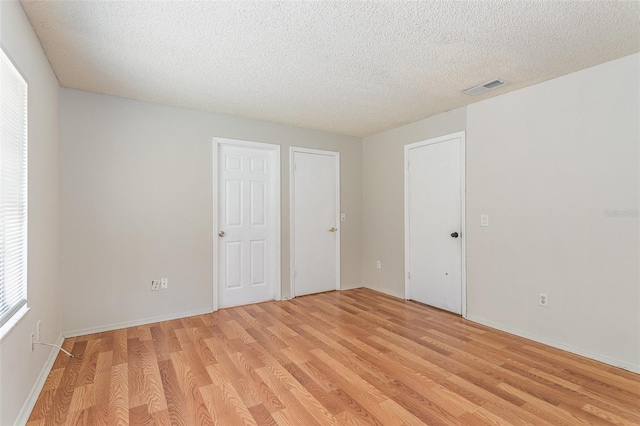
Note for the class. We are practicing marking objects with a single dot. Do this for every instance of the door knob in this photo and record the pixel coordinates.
(221, 234)
(333, 229)
(454, 235)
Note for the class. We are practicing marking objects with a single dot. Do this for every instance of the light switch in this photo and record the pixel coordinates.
(343, 217)
(484, 220)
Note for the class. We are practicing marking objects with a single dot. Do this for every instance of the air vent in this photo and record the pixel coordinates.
(481, 88)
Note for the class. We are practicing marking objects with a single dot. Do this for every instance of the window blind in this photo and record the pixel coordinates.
(13, 190)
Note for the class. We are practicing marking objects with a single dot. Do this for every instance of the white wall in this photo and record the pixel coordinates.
(20, 369)
(545, 162)
(137, 205)
(383, 197)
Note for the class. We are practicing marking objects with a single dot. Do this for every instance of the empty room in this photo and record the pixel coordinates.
(319, 213)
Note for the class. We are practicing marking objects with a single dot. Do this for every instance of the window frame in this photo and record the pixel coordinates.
(20, 309)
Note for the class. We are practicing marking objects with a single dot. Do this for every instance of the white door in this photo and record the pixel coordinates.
(434, 229)
(315, 211)
(246, 223)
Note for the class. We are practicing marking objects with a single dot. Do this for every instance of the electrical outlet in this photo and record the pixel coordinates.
(164, 283)
(378, 265)
(38, 330)
(31, 342)
(155, 285)
(543, 299)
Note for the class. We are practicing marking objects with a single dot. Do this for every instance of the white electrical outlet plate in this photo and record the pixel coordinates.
(543, 299)
(31, 342)
(378, 265)
(155, 285)
(38, 324)
(164, 283)
(343, 217)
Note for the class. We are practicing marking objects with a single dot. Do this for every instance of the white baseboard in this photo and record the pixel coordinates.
(351, 287)
(28, 405)
(116, 326)
(385, 291)
(587, 354)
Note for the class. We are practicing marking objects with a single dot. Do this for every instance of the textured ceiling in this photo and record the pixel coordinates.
(355, 68)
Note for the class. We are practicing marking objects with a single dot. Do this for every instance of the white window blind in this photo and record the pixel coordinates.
(13, 190)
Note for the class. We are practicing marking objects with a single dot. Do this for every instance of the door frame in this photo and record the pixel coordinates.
(274, 222)
(463, 248)
(292, 220)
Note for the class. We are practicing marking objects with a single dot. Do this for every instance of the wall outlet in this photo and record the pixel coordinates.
(155, 285)
(543, 299)
(378, 265)
(164, 283)
(31, 340)
(38, 324)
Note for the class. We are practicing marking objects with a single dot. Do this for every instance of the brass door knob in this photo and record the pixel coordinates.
(221, 234)
(333, 229)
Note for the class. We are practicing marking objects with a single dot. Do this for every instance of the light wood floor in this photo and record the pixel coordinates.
(351, 357)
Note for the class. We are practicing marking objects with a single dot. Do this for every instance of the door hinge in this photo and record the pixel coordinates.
(409, 275)
(408, 165)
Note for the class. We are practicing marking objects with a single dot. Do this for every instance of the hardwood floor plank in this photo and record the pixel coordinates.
(538, 375)
(330, 402)
(605, 415)
(64, 392)
(102, 388)
(251, 384)
(119, 395)
(42, 407)
(262, 416)
(120, 351)
(82, 398)
(355, 357)
(169, 328)
(629, 412)
(139, 415)
(240, 413)
(295, 409)
(176, 405)
(540, 408)
(412, 401)
(401, 416)
(189, 383)
(160, 418)
(362, 385)
(213, 400)
(363, 409)
(160, 345)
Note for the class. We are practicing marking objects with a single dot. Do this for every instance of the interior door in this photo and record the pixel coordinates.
(435, 222)
(245, 230)
(315, 199)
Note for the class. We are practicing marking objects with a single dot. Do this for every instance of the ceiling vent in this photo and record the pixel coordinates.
(481, 88)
